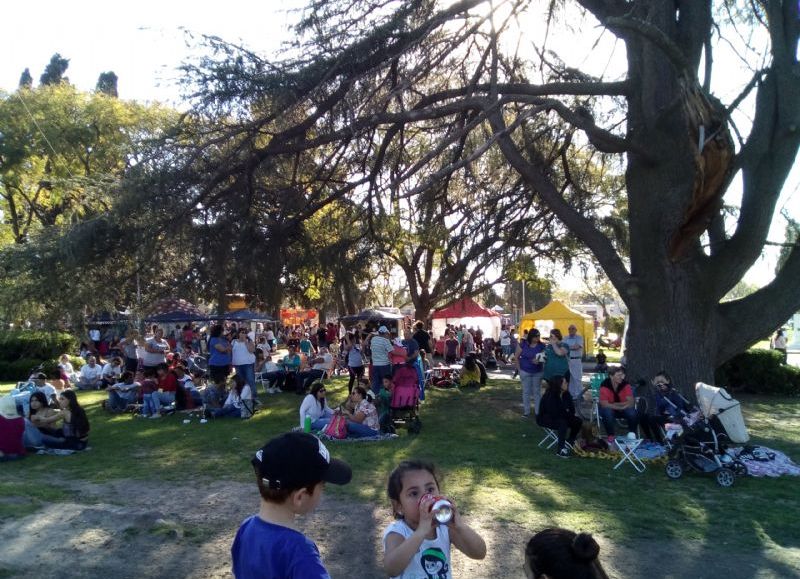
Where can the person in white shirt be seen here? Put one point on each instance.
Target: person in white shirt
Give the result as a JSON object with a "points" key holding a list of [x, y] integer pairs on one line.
{"points": [[123, 393], [90, 376], [67, 371], [273, 374], [315, 406], [112, 372], [574, 345], [155, 350], [320, 365]]}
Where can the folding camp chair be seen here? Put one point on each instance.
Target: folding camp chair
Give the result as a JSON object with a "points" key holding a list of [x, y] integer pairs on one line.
{"points": [[551, 438]]}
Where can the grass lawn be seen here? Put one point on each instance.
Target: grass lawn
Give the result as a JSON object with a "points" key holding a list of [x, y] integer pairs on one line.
{"points": [[489, 457]]}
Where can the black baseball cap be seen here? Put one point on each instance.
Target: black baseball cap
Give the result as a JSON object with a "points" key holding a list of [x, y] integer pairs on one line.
{"points": [[296, 459]]}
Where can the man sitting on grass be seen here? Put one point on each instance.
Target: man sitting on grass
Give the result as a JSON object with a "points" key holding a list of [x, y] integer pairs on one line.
{"points": [[90, 376], [123, 393]]}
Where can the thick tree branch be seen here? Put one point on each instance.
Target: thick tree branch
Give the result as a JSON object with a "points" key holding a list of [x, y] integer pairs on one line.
{"points": [[579, 225], [760, 312]]}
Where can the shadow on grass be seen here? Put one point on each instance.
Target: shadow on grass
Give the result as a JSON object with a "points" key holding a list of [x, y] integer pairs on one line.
{"points": [[500, 479]]}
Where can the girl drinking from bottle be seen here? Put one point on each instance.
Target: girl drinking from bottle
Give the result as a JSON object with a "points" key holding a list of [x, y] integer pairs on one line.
{"points": [[417, 545]]}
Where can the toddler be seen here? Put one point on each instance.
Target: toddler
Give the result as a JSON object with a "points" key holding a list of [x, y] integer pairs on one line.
{"points": [[417, 546]]}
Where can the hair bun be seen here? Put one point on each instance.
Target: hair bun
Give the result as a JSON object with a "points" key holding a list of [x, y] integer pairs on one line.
{"points": [[584, 547]]}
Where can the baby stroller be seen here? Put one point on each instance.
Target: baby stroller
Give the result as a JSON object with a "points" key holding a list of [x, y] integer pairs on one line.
{"points": [[703, 445], [404, 405]]}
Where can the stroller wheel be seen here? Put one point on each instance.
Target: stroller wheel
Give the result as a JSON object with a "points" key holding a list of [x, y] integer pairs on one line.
{"points": [[740, 468], [725, 477], [674, 469], [415, 426]]}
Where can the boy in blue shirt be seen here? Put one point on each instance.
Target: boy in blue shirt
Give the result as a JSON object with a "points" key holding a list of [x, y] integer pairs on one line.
{"points": [[291, 472]]}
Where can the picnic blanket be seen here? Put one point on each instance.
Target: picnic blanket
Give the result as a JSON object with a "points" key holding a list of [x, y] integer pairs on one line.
{"points": [[647, 451], [321, 436], [762, 461], [60, 451]]}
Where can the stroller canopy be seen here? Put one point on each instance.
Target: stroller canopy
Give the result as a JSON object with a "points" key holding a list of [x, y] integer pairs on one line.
{"points": [[716, 401]]}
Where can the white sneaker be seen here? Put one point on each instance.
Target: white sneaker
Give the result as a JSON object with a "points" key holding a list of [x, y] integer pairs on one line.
{"points": [[154, 416]]}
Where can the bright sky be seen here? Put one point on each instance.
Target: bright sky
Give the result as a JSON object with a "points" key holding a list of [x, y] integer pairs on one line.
{"points": [[143, 43]]}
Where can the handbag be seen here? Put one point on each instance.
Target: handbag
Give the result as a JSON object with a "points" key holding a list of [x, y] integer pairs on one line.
{"points": [[337, 427]]}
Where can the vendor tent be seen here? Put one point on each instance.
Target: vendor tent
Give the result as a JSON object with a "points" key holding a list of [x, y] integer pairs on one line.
{"points": [[370, 319], [466, 312], [243, 316], [174, 310], [557, 315]]}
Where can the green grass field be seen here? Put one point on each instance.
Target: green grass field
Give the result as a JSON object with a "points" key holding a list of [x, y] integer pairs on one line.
{"points": [[488, 454]]}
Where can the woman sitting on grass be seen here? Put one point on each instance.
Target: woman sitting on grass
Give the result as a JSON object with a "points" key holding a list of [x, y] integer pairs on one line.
{"points": [[470, 376], [315, 406], [363, 421], [239, 403], [74, 433], [43, 417]]}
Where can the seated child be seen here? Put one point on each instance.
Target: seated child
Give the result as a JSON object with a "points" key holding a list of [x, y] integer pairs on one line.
{"points": [[417, 544], [291, 472], [149, 386], [562, 554], [239, 403]]}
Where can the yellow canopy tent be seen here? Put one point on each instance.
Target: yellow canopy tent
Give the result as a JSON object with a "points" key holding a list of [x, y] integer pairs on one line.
{"points": [[557, 315]]}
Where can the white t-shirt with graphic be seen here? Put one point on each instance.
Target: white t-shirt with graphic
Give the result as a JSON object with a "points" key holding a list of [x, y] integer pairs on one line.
{"points": [[432, 561]]}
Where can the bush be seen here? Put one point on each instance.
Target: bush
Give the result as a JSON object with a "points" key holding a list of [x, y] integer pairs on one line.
{"points": [[18, 370], [760, 372], [35, 345]]}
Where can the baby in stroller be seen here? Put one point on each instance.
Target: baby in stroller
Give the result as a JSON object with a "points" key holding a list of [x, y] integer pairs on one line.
{"points": [[702, 446], [404, 402]]}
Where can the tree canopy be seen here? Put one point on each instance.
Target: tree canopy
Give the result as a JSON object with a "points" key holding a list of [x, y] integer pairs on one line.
{"points": [[367, 80]]}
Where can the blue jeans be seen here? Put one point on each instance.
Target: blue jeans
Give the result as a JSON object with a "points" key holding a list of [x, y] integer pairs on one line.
{"points": [[376, 376], [119, 401], [229, 410], [320, 423], [420, 377], [157, 400], [607, 415], [531, 387], [358, 430], [309, 376], [248, 372]]}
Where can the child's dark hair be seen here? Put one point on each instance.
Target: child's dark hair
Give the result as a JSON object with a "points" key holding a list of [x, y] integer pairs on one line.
{"points": [[395, 486], [42, 398], [279, 496], [555, 382], [563, 554], [79, 420]]}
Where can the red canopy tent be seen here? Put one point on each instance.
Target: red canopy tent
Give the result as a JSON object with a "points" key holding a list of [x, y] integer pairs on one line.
{"points": [[469, 313]]}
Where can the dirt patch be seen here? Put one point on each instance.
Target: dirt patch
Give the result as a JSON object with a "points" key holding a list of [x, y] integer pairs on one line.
{"points": [[134, 529]]}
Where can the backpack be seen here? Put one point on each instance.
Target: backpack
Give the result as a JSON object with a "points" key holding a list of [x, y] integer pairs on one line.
{"points": [[337, 427]]}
